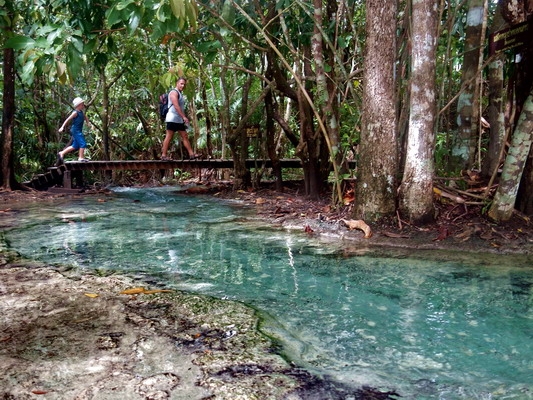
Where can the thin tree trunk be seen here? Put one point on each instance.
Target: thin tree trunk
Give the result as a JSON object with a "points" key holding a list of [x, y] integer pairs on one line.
{"points": [[378, 154], [503, 204], [496, 116], [8, 121], [105, 115], [416, 190]]}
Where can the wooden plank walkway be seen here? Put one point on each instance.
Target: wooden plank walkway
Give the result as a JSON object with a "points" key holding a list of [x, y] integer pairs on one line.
{"points": [[173, 164], [63, 174]]}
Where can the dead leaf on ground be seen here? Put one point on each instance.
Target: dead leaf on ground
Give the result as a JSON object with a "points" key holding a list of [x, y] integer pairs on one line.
{"points": [[91, 295], [136, 290], [141, 290]]}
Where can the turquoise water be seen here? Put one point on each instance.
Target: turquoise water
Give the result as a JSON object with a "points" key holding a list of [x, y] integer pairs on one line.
{"points": [[426, 329]]}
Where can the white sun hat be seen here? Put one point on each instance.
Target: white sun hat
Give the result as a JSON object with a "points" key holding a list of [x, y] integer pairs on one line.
{"points": [[77, 101]]}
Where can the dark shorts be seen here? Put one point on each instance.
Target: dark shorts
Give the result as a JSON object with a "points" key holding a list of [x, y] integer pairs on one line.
{"points": [[176, 126]]}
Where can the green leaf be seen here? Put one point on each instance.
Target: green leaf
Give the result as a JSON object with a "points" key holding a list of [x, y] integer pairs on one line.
{"points": [[78, 43], [27, 72], [161, 14], [135, 19], [61, 68], [19, 42], [228, 12], [114, 16], [209, 58], [177, 7], [124, 4], [74, 61]]}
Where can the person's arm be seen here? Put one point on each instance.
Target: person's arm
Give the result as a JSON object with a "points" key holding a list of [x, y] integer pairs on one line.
{"points": [[174, 99], [70, 117]]}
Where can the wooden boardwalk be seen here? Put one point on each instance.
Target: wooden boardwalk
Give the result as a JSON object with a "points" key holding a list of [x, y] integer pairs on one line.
{"points": [[63, 175], [173, 164]]}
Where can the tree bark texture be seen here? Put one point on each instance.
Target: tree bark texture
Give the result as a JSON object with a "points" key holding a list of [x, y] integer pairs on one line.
{"points": [[503, 204], [495, 111], [378, 153], [464, 147], [8, 121], [416, 190]]}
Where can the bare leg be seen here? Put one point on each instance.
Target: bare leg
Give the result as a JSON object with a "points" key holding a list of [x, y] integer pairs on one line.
{"points": [[166, 143], [81, 153], [66, 150], [186, 143]]}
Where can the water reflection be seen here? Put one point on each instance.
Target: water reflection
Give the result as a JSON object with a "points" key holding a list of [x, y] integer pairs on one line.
{"points": [[425, 328]]}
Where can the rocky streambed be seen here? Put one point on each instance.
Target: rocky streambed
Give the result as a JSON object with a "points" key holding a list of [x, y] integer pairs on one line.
{"points": [[70, 335]]}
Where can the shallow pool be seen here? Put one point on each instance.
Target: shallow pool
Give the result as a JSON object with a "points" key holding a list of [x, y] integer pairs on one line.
{"points": [[424, 328]]}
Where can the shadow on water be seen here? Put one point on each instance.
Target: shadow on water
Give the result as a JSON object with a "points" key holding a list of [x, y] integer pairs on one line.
{"points": [[424, 324]]}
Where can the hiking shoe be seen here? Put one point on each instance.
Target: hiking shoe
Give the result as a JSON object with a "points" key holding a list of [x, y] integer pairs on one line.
{"points": [[59, 160]]}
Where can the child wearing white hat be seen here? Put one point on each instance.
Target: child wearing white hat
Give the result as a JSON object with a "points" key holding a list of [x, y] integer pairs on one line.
{"points": [[78, 140]]}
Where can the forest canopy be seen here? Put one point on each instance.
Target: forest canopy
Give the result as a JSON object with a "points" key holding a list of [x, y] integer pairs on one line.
{"points": [[428, 98]]}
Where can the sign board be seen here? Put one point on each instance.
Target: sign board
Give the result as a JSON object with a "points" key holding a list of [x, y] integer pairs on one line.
{"points": [[516, 36], [252, 131]]}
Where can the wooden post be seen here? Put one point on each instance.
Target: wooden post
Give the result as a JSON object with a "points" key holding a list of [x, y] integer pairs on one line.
{"points": [[67, 179]]}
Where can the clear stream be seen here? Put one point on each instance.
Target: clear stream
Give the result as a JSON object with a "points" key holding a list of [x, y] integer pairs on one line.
{"points": [[426, 329]]}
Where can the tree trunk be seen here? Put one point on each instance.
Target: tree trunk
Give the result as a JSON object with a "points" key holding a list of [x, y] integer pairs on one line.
{"points": [[496, 116], [326, 96], [8, 121], [270, 132], [378, 154], [207, 116], [311, 144], [464, 147], [105, 115], [416, 190], [503, 204]]}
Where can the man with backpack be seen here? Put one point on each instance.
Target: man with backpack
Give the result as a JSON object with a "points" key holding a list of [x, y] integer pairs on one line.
{"points": [[176, 120]]}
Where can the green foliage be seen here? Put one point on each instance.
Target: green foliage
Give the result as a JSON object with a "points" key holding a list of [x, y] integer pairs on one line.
{"points": [[138, 48]]}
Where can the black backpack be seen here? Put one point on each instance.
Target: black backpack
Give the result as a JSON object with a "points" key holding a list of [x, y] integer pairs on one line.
{"points": [[163, 105]]}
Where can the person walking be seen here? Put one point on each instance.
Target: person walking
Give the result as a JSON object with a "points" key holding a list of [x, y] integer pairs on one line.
{"points": [[177, 121], [78, 118]]}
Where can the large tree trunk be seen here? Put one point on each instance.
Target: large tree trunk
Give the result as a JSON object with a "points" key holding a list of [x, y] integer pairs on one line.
{"points": [[416, 190], [378, 154], [464, 147], [505, 198]]}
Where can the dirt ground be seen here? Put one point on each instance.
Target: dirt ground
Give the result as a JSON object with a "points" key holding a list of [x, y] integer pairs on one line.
{"points": [[66, 335], [457, 227]]}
